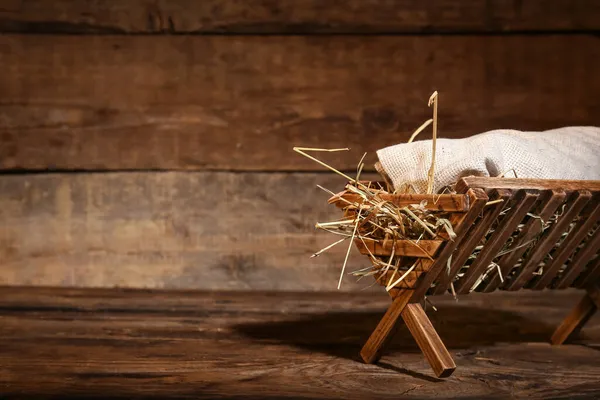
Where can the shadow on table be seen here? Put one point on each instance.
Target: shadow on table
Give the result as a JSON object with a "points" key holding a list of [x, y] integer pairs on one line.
{"points": [[342, 334]]}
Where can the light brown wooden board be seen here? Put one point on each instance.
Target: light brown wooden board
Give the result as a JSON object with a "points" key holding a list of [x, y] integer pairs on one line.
{"points": [[299, 16], [242, 102], [172, 230], [167, 344], [428, 340], [577, 318], [373, 349], [525, 183]]}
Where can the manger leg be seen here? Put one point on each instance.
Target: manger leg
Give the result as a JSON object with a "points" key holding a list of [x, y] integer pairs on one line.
{"points": [[372, 350], [428, 340], [578, 317]]}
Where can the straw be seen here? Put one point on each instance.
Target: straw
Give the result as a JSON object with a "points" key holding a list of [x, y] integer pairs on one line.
{"points": [[433, 99], [419, 130]]}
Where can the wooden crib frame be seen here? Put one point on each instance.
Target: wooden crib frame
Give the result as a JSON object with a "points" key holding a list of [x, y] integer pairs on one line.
{"points": [[473, 211]]}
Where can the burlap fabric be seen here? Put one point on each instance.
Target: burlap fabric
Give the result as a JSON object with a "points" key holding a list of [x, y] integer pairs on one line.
{"points": [[565, 153]]}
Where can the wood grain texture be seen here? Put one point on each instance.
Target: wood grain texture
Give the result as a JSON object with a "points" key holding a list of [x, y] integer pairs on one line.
{"points": [[522, 202], [473, 238], [477, 200], [407, 248], [577, 318], [525, 183], [385, 279], [546, 243], [375, 345], [568, 248], [171, 230], [428, 340], [549, 202], [442, 202], [580, 261], [299, 16], [242, 102], [183, 344]]}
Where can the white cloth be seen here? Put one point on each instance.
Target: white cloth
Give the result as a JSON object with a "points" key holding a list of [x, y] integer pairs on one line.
{"points": [[565, 153]]}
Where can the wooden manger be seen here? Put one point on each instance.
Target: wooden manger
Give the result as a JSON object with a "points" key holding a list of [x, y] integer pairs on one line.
{"points": [[511, 234]]}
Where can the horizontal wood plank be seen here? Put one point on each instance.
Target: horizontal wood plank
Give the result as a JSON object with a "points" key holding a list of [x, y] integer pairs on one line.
{"points": [[526, 183], [442, 202], [171, 230], [219, 345], [242, 103], [299, 16], [406, 248]]}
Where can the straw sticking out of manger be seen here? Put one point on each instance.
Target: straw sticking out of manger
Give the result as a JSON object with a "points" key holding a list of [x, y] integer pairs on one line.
{"points": [[369, 217]]}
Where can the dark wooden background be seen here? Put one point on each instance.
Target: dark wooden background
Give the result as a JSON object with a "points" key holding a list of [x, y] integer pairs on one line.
{"points": [[148, 143]]}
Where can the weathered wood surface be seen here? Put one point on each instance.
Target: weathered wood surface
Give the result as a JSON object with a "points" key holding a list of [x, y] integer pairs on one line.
{"points": [[427, 338], [407, 248], [152, 344], [242, 102], [375, 345], [525, 183], [300, 16], [578, 317], [174, 230], [548, 240], [549, 201], [462, 224], [437, 202], [521, 203], [476, 232]]}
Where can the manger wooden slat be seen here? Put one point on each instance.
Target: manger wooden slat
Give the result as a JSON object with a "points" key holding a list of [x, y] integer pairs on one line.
{"points": [[407, 283], [281, 16], [577, 318], [522, 203], [568, 247], [473, 239], [550, 200], [444, 202], [428, 340], [371, 351], [575, 204], [534, 184], [477, 200], [590, 276], [242, 102], [408, 248], [579, 261]]}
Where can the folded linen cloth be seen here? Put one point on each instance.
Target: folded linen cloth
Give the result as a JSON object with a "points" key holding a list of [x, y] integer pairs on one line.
{"points": [[564, 153]]}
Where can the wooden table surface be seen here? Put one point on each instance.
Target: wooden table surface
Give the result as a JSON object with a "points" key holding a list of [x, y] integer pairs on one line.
{"points": [[89, 343]]}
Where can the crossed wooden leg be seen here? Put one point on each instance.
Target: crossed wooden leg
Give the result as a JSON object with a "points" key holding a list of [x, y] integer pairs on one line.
{"points": [[579, 316], [421, 329]]}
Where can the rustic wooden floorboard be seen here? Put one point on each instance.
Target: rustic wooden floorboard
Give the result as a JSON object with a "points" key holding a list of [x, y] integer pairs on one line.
{"points": [[165, 344]]}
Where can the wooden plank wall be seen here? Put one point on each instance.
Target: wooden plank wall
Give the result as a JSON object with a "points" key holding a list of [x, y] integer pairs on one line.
{"points": [[148, 143]]}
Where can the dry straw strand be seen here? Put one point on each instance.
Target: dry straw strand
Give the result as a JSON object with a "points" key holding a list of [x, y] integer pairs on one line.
{"points": [[433, 99], [419, 130], [301, 150]]}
